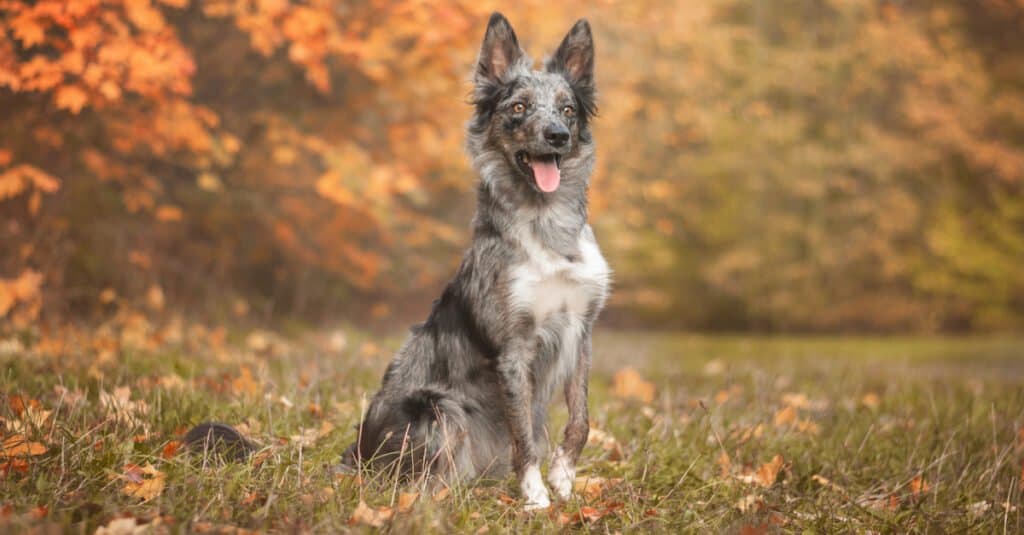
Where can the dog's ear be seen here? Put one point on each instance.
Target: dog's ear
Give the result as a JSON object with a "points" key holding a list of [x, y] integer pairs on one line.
{"points": [[499, 52], [575, 56]]}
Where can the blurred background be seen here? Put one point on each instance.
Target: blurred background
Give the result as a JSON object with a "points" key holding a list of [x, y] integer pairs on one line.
{"points": [[783, 166]]}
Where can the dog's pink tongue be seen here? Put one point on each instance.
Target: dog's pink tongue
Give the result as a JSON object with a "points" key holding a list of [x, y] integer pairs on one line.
{"points": [[547, 174]]}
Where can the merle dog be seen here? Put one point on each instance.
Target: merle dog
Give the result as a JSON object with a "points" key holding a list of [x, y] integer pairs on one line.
{"points": [[467, 394]]}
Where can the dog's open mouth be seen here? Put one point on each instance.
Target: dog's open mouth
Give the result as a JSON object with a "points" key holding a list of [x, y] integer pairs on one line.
{"points": [[544, 168]]}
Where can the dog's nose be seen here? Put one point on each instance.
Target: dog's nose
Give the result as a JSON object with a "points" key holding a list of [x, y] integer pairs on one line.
{"points": [[556, 134]]}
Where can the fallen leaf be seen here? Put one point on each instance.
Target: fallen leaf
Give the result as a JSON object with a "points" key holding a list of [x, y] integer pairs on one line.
{"points": [[627, 383], [171, 449], [807, 426], [19, 466], [919, 486], [766, 474], [607, 442], [19, 446], [594, 486], [825, 482], [406, 501], [369, 516], [244, 384], [144, 483], [584, 515], [441, 494], [785, 416]]}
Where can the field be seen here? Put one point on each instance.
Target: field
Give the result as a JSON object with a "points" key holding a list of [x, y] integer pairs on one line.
{"points": [[712, 434]]}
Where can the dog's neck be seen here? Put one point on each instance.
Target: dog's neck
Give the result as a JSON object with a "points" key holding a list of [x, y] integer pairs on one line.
{"points": [[508, 209]]}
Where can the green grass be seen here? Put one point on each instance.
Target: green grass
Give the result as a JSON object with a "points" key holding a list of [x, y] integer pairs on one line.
{"points": [[948, 413]]}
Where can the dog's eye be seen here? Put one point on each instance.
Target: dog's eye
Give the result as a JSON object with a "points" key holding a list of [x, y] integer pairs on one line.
{"points": [[568, 111], [518, 107]]}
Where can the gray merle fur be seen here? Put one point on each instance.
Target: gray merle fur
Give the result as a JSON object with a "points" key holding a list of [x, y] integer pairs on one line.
{"points": [[467, 394]]}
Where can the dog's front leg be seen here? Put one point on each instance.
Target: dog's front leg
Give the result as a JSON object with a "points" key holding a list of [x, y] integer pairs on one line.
{"points": [[562, 472], [514, 373]]}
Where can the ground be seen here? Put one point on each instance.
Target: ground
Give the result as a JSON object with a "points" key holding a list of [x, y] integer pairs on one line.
{"points": [[689, 434]]}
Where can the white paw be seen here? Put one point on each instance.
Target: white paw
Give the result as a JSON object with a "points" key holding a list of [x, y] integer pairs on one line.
{"points": [[561, 475], [534, 492]]}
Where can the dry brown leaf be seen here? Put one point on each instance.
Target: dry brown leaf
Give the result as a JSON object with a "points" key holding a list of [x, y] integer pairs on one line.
{"points": [[406, 501], [368, 516], [19, 466], [441, 494], [826, 482], [171, 449], [607, 442], [594, 486], [785, 416], [119, 406], [144, 483], [627, 383], [19, 446], [919, 486], [766, 474], [244, 384]]}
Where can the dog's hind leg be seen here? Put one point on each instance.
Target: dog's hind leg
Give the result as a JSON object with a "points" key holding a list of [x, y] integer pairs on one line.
{"points": [[416, 434]]}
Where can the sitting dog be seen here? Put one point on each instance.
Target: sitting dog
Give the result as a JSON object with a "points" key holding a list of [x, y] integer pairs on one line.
{"points": [[467, 394]]}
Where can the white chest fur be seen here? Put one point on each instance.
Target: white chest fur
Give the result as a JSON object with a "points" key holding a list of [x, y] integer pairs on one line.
{"points": [[547, 283]]}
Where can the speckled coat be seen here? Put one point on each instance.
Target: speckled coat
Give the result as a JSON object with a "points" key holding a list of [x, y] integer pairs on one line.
{"points": [[467, 394]]}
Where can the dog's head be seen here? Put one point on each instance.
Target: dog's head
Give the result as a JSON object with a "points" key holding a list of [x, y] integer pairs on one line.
{"points": [[533, 124]]}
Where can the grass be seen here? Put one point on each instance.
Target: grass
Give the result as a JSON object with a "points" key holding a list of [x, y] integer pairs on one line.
{"points": [[887, 435]]}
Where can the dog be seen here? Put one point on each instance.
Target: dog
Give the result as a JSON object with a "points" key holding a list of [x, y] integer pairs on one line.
{"points": [[467, 395]]}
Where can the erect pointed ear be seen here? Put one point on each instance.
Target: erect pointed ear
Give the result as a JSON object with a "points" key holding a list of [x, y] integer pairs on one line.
{"points": [[499, 52], [575, 56]]}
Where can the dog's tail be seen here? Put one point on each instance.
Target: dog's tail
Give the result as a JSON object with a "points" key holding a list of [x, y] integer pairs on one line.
{"points": [[422, 433], [220, 440]]}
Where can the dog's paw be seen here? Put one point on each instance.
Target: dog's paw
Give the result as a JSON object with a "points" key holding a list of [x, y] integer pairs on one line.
{"points": [[561, 475], [534, 491]]}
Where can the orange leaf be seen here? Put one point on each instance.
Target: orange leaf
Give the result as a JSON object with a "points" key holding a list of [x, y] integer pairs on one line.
{"points": [[919, 486], [766, 474], [19, 446], [785, 416], [144, 482], [369, 516], [171, 449], [71, 98], [406, 501], [14, 465], [628, 383], [593, 486], [244, 384]]}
